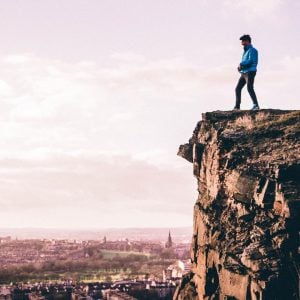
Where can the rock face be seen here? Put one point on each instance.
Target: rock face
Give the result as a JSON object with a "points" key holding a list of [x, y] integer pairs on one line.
{"points": [[247, 216]]}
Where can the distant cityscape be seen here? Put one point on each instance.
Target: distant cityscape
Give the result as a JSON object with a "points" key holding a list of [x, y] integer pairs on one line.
{"points": [[179, 234], [92, 269]]}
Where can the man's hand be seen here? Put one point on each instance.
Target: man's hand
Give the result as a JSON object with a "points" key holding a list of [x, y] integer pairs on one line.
{"points": [[239, 68]]}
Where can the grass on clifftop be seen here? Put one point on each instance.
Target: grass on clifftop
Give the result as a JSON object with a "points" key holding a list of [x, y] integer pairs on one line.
{"points": [[265, 120]]}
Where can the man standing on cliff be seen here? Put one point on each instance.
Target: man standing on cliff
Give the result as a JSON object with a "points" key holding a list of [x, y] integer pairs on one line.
{"points": [[247, 68]]}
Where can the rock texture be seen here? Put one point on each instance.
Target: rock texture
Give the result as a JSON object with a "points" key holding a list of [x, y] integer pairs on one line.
{"points": [[247, 216]]}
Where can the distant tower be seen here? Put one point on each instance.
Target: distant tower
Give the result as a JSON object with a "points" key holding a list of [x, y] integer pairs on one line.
{"points": [[169, 243]]}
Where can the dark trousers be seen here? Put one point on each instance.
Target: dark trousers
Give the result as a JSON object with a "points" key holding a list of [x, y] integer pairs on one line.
{"points": [[249, 79]]}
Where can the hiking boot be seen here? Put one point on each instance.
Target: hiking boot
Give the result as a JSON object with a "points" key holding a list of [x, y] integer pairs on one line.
{"points": [[255, 107]]}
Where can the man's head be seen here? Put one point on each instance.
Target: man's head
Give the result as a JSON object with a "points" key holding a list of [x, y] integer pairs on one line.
{"points": [[245, 39]]}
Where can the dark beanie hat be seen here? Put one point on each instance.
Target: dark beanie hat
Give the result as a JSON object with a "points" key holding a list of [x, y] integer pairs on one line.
{"points": [[245, 37]]}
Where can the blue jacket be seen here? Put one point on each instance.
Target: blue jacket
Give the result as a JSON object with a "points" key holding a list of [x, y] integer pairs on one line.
{"points": [[249, 59]]}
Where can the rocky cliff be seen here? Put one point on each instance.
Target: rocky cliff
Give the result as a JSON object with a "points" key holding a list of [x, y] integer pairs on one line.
{"points": [[247, 215]]}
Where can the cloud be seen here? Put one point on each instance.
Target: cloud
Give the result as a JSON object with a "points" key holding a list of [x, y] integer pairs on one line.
{"points": [[279, 81], [128, 105], [47, 104], [252, 8], [103, 186], [89, 141]]}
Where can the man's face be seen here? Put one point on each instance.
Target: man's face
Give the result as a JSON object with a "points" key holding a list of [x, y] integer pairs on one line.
{"points": [[245, 43]]}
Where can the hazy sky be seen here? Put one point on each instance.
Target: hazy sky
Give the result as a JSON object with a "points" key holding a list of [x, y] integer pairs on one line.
{"points": [[97, 95]]}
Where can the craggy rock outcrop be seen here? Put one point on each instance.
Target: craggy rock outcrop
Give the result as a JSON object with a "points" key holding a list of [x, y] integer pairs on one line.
{"points": [[247, 216]]}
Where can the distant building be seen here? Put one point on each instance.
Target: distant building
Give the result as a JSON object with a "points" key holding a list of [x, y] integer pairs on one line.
{"points": [[177, 270], [169, 243], [5, 239]]}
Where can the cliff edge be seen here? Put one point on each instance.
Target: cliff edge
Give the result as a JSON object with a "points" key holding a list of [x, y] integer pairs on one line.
{"points": [[247, 215]]}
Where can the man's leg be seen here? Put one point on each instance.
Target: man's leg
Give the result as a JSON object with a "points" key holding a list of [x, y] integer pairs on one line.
{"points": [[238, 91], [250, 88]]}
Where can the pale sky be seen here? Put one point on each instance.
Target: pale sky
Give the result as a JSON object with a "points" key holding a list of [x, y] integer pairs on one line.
{"points": [[97, 95]]}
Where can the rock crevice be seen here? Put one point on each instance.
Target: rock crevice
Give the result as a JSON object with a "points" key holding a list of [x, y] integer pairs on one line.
{"points": [[247, 215]]}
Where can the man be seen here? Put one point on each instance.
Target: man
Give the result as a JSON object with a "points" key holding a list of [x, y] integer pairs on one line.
{"points": [[247, 68]]}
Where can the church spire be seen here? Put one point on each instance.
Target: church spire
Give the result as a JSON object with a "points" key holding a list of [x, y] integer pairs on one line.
{"points": [[169, 243]]}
